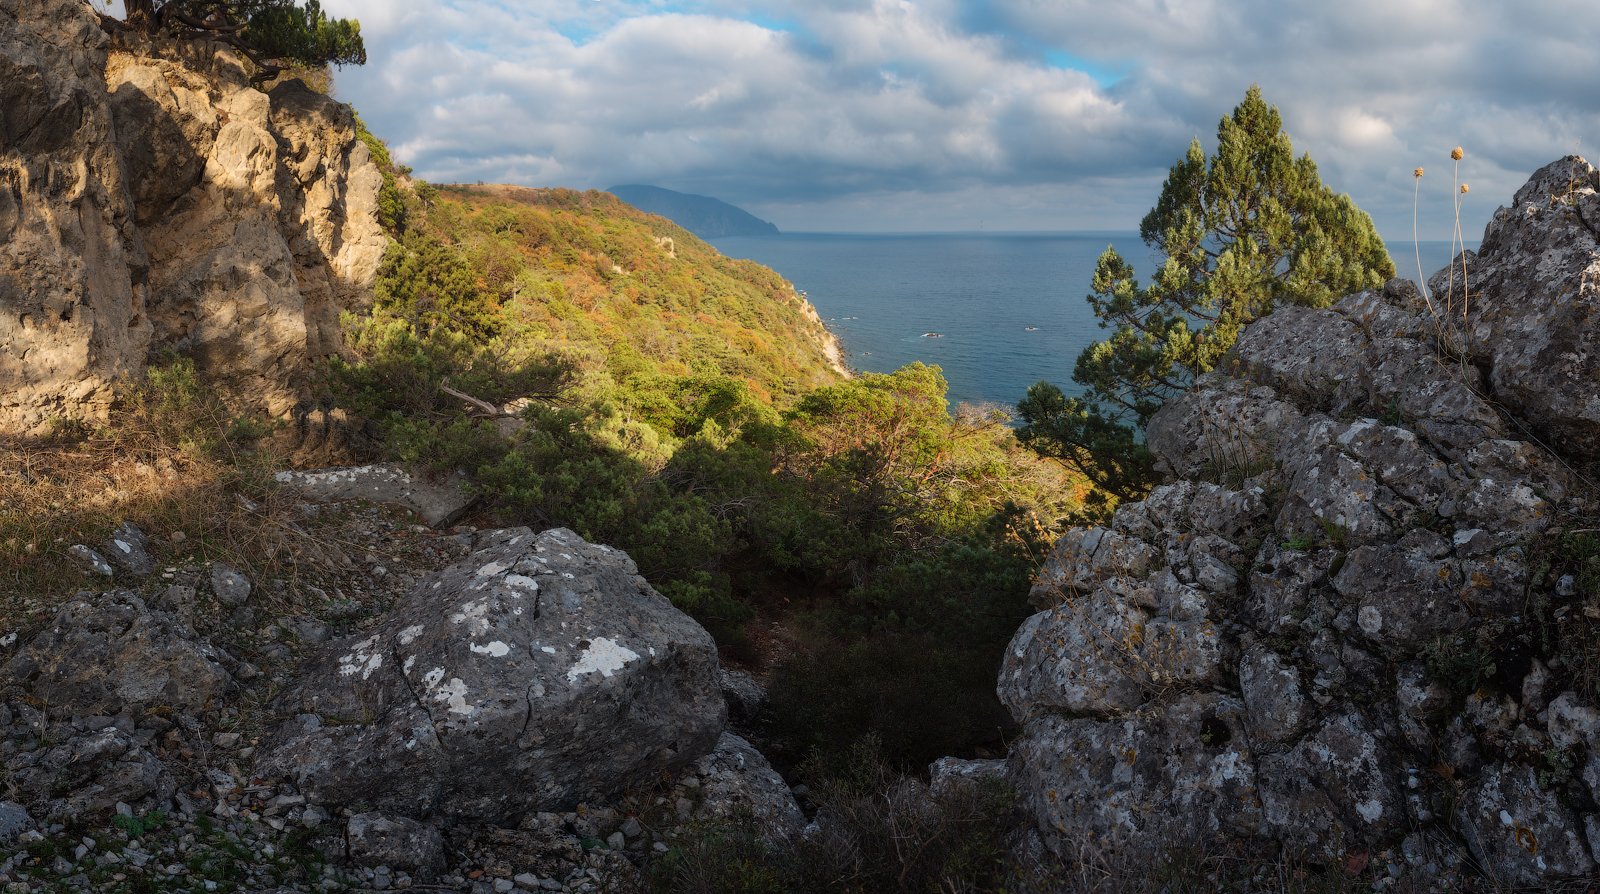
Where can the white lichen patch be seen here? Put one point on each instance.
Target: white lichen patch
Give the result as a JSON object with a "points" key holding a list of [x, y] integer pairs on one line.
{"points": [[454, 694], [1370, 620], [603, 656], [522, 582], [493, 568], [364, 660], [410, 660], [548, 650], [409, 634], [1370, 810], [496, 649], [433, 678], [123, 546], [474, 615]]}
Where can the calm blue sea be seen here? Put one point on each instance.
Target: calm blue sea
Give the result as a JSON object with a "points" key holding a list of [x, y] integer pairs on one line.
{"points": [[1008, 309]]}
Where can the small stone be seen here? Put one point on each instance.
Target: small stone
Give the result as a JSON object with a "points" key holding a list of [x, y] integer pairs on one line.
{"points": [[91, 561], [631, 827], [659, 847], [313, 817], [225, 740], [503, 886], [230, 587], [615, 841], [526, 880], [127, 549]]}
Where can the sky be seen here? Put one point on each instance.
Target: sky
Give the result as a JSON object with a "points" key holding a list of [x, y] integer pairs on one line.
{"points": [[935, 115]]}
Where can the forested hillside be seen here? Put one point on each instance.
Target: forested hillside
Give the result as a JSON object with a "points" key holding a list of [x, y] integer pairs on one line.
{"points": [[594, 367]]}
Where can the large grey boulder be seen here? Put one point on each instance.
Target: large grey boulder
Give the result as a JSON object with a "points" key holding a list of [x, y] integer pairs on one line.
{"points": [[539, 672], [109, 653]]}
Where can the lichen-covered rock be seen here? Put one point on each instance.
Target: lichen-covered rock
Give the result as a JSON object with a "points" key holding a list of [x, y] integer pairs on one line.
{"points": [[1166, 773], [1574, 728], [375, 839], [1522, 830], [1335, 791], [90, 773], [539, 672], [948, 775], [1530, 296], [438, 503], [1358, 543], [735, 781], [744, 694], [128, 550], [108, 653], [14, 820], [151, 198], [229, 586], [1274, 701]]}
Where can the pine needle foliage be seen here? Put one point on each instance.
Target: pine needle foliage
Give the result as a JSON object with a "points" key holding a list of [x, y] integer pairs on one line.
{"points": [[1240, 232]]}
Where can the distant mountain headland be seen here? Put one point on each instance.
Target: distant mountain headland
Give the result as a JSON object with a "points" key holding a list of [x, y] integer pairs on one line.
{"points": [[704, 216]]}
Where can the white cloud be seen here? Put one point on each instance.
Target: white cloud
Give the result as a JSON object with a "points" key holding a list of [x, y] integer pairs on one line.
{"points": [[891, 114]]}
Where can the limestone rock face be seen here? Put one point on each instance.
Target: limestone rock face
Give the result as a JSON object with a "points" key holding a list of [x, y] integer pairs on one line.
{"points": [[1357, 540], [151, 199], [72, 264], [537, 673]]}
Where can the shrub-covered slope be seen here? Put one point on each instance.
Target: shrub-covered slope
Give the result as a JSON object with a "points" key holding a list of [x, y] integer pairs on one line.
{"points": [[636, 293]]}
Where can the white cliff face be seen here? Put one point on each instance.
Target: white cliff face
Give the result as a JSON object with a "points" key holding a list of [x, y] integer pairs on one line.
{"points": [[150, 198]]}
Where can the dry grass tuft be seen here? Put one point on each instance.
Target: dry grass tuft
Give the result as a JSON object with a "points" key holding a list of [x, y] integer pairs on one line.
{"points": [[174, 461]]}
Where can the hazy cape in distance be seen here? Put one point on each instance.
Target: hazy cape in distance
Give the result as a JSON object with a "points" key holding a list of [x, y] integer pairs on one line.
{"points": [[703, 216]]}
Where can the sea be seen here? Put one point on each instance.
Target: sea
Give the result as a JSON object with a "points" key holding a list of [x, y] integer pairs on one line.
{"points": [[996, 311]]}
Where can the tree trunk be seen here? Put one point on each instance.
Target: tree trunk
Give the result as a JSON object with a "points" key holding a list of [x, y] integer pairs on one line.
{"points": [[142, 15]]}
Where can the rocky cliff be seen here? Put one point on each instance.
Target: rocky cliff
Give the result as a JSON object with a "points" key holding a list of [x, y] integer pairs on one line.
{"points": [[151, 199], [1360, 624]]}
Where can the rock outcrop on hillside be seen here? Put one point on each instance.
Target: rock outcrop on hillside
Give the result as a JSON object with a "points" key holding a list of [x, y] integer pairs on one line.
{"points": [[152, 199], [1360, 623]]}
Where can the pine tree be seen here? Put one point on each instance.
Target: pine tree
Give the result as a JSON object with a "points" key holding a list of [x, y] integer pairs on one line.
{"points": [[272, 33], [1241, 232]]}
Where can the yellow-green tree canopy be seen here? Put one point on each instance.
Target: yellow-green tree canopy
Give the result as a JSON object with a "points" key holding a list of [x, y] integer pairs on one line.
{"points": [[1241, 232]]}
